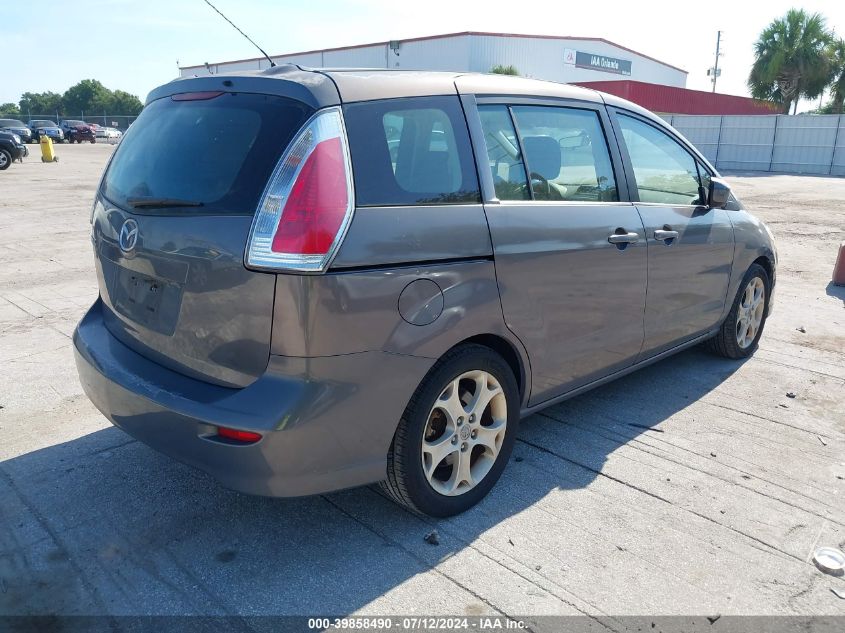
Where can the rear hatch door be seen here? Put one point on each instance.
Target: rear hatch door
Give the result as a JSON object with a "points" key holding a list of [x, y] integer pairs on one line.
{"points": [[170, 225]]}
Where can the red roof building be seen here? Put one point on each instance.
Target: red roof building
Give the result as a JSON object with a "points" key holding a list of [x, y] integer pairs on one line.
{"points": [[672, 100]]}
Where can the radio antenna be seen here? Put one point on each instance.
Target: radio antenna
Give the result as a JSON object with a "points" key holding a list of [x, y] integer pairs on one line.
{"points": [[272, 63]]}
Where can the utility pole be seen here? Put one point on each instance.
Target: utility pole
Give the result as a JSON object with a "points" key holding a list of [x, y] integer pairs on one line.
{"points": [[716, 71]]}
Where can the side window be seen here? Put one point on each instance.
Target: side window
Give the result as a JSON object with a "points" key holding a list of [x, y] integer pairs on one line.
{"points": [[411, 151], [503, 155], [566, 154], [666, 173]]}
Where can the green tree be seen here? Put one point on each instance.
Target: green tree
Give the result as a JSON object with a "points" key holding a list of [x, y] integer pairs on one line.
{"points": [[9, 110], [791, 59], [89, 95], [500, 69], [124, 103], [836, 56], [40, 103]]}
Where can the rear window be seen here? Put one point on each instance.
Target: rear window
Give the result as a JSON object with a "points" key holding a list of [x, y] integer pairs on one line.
{"points": [[218, 152], [411, 152]]}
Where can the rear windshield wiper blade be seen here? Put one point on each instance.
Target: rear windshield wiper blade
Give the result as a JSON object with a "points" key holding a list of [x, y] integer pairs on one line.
{"points": [[155, 203]]}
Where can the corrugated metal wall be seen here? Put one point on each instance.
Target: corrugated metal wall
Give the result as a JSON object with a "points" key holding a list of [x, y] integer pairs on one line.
{"points": [[360, 57], [804, 144], [542, 58], [538, 57]]}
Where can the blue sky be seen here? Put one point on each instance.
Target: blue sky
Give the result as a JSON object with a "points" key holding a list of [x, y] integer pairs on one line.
{"points": [[134, 45]]}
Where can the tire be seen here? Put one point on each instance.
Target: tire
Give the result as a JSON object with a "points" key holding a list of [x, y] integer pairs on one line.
{"points": [[5, 159], [443, 491], [733, 339]]}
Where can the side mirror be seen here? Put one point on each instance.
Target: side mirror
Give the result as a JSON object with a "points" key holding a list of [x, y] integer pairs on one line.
{"points": [[719, 194]]}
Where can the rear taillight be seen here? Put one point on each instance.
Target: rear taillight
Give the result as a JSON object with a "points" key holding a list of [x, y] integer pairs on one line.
{"points": [[306, 207]]}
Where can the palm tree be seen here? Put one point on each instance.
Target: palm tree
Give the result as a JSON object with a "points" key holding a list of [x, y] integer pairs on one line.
{"points": [[836, 55], [791, 59]]}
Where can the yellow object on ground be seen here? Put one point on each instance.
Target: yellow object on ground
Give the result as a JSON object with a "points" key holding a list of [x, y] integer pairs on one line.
{"points": [[47, 155]]}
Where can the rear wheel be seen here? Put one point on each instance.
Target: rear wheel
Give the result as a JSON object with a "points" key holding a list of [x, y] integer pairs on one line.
{"points": [[741, 331], [456, 434], [5, 159]]}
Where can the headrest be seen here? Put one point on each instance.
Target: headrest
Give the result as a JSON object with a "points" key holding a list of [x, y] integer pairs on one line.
{"points": [[543, 155]]}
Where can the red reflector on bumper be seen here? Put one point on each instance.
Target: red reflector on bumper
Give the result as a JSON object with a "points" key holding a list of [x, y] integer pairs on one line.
{"points": [[247, 437]]}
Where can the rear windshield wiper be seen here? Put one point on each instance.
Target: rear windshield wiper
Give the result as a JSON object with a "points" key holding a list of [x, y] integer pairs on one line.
{"points": [[155, 203]]}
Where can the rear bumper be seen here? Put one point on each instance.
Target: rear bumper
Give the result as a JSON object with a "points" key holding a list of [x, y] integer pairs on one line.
{"points": [[327, 422]]}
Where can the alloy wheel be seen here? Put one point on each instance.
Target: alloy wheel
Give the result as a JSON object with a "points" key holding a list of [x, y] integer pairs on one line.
{"points": [[750, 313], [464, 433]]}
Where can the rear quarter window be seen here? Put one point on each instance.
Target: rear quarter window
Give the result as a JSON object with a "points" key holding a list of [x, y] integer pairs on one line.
{"points": [[412, 151]]}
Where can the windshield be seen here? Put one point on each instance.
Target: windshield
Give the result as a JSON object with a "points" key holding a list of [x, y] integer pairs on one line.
{"points": [[11, 123], [227, 149], [74, 123], [41, 123]]}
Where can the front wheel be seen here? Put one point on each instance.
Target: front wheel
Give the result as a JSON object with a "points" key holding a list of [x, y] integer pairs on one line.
{"points": [[456, 434], [5, 159], [740, 333]]}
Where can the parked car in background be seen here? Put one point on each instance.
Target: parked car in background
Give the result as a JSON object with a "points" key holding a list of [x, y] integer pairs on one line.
{"points": [[11, 149], [386, 270], [108, 133], [17, 127], [46, 127], [77, 131]]}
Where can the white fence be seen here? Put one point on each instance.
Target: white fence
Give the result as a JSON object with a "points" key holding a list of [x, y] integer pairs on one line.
{"points": [[803, 144]]}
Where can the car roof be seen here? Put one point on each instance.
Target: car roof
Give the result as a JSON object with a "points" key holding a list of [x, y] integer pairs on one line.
{"points": [[330, 86], [365, 84], [322, 87]]}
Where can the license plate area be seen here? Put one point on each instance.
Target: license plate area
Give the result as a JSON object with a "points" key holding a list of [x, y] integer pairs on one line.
{"points": [[149, 301]]}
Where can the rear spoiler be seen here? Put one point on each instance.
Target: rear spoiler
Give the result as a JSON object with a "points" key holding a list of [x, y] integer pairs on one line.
{"points": [[312, 88]]}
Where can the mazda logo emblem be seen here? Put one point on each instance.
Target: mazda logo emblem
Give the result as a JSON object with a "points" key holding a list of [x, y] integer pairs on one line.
{"points": [[128, 235]]}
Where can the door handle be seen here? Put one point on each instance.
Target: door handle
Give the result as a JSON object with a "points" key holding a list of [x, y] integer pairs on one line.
{"points": [[623, 238], [665, 236]]}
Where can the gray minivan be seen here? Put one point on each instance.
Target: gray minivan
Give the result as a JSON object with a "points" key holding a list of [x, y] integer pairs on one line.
{"points": [[318, 279]]}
